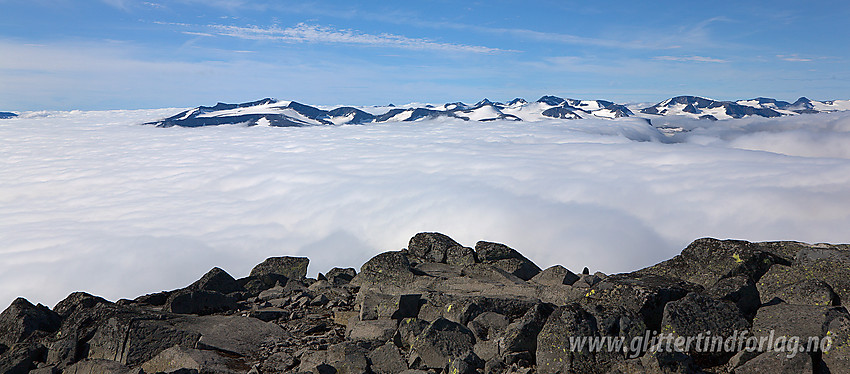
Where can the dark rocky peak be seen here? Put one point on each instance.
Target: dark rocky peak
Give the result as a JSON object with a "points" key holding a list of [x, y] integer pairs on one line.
{"points": [[482, 103], [390, 114], [517, 101], [561, 112], [358, 116], [456, 106], [551, 100], [307, 111], [767, 100], [7, 115]]}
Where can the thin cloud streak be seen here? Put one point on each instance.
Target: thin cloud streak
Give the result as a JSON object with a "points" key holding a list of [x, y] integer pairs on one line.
{"points": [[304, 33], [690, 59]]}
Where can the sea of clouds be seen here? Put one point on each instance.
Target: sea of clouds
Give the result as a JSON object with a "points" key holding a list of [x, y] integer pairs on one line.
{"points": [[93, 201]]}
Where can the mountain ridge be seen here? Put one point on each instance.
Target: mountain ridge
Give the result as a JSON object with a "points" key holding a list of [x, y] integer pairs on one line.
{"points": [[283, 113]]}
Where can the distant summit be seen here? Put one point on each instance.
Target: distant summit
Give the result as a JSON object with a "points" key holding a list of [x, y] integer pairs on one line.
{"points": [[7, 115], [700, 107], [276, 113]]}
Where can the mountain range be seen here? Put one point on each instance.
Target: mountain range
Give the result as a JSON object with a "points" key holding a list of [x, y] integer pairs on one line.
{"points": [[279, 113]]}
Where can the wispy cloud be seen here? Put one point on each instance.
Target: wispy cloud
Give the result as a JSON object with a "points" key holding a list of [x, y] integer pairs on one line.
{"points": [[304, 33], [690, 59], [793, 58], [197, 33]]}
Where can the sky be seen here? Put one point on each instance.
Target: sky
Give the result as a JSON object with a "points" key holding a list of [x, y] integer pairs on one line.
{"points": [[131, 54]]}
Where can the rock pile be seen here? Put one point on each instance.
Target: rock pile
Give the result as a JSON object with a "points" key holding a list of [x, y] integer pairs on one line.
{"points": [[441, 307]]}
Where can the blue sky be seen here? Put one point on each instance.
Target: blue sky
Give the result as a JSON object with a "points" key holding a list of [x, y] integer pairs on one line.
{"points": [[127, 54]]}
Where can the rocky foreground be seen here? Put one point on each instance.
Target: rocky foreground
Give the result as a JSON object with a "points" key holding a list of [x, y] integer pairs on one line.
{"points": [[440, 307]]}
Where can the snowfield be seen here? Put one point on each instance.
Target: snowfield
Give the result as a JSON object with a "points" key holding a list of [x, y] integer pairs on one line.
{"points": [[93, 201]]}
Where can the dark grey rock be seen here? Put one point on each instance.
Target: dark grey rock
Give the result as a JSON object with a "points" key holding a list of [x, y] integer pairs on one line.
{"points": [[700, 315], [376, 305], [388, 268], [217, 280], [555, 275], [706, 261], [430, 246], [387, 359], [21, 320], [793, 285], [199, 302], [460, 256], [279, 362], [521, 335], [408, 330], [379, 330], [486, 325], [340, 276], [777, 362], [507, 259], [20, 359], [99, 367], [289, 267], [740, 290], [342, 358], [202, 361], [441, 341], [803, 321], [554, 352]]}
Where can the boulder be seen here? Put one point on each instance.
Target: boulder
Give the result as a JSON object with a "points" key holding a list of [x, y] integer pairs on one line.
{"points": [[430, 246], [519, 338], [408, 330], [342, 358], [740, 290], [555, 275], [634, 298], [236, 335], [380, 330], [278, 362], [386, 269], [487, 325], [440, 342], [20, 359], [698, 315], [99, 367], [21, 320], [777, 362], [199, 302], [795, 285], [217, 280], [387, 359], [506, 258], [289, 267], [340, 276], [706, 261], [254, 285], [177, 358], [836, 357], [460, 256], [376, 305], [555, 352], [802, 321]]}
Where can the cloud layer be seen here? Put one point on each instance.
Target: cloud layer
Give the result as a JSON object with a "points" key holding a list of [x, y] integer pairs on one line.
{"points": [[91, 201]]}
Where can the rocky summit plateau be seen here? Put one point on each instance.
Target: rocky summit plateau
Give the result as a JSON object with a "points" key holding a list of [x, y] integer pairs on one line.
{"points": [[278, 113], [440, 307]]}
